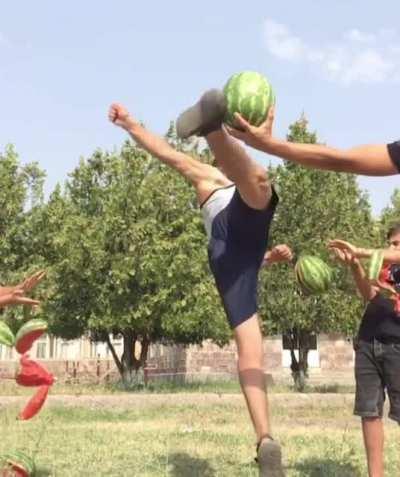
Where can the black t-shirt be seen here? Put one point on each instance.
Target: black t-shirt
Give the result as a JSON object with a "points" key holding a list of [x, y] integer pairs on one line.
{"points": [[394, 153], [380, 321]]}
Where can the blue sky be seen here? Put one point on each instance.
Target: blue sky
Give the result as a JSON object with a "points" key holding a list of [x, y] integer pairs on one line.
{"points": [[63, 63]]}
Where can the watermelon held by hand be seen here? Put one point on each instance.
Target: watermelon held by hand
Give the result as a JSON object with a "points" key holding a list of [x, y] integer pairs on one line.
{"points": [[7, 337], [313, 275], [28, 334], [250, 94], [375, 264]]}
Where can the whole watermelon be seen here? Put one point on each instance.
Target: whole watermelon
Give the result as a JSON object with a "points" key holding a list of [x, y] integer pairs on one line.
{"points": [[313, 275], [250, 94]]}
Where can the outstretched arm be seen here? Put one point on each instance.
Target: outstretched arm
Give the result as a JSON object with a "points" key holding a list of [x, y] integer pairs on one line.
{"points": [[188, 167], [389, 255], [364, 286], [371, 160]]}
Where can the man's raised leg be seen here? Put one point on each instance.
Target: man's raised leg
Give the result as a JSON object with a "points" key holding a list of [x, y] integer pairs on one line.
{"points": [[250, 178]]}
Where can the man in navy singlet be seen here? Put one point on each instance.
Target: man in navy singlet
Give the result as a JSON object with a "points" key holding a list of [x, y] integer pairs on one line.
{"points": [[238, 204]]}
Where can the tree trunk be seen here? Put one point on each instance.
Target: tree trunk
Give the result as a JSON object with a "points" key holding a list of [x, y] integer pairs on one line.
{"points": [[299, 367], [129, 365]]}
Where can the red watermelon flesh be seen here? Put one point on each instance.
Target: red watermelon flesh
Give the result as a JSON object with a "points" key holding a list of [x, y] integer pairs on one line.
{"points": [[35, 404], [25, 343], [13, 469], [32, 373]]}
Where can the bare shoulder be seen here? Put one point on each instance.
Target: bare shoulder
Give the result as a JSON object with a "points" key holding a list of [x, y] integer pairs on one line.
{"points": [[214, 179]]}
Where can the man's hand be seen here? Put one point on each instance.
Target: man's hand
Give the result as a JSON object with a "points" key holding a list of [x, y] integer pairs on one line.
{"points": [[258, 137], [120, 116], [280, 253], [31, 282], [345, 247], [15, 296], [344, 256]]}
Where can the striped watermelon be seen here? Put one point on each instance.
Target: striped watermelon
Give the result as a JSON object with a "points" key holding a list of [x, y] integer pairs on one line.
{"points": [[28, 333], [375, 264], [313, 275], [17, 464], [250, 94], [7, 337]]}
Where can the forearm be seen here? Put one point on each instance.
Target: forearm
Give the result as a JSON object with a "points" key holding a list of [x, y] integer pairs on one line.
{"points": [[309, 155], [389, 256], [367, 160], [363, 285]]}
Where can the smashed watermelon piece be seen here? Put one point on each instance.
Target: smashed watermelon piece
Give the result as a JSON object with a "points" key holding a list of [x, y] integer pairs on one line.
{"points": [[31, 373], [28, 334], [35, 404], [17, 464]]}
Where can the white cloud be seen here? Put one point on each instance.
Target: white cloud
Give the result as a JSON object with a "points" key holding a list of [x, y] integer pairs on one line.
{"points": [[358, 36], [358, 57], [4, 41]]}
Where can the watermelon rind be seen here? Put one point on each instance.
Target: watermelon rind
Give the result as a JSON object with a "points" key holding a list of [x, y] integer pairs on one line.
{"points": [[7, 337]]}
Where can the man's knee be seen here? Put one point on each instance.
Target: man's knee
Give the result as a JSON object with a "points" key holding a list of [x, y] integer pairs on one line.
{"points": [[250, 357]]}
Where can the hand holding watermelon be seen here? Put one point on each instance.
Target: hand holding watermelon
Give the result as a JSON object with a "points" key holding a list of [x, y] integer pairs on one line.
{"points": [[253, 136]]}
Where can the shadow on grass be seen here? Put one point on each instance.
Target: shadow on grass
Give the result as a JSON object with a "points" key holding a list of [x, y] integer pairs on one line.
{"points": [[326, 468], [183, 465], [43, 472]]}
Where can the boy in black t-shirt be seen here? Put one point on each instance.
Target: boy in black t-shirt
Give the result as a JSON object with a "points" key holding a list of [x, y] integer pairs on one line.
{"points": [[377, 347]]}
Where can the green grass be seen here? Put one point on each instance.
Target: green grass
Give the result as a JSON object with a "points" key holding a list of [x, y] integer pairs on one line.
{"points": [[203, 438], [9, 388]]}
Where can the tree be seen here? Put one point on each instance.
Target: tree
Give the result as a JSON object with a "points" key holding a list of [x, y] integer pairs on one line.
{"points": [[21, 201], [129, 258], [390, 216], [314, 206]]}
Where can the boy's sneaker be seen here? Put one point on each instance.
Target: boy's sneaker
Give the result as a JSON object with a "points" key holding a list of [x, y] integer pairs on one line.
{"points": [[203, 117], [269, 458]]}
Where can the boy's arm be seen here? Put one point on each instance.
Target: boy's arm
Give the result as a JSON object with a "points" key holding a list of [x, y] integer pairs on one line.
{"points": [[389, 255], [367, 291], [371, 160]]}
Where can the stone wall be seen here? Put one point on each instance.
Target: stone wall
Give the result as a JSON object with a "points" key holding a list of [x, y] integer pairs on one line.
{"points": [[336, 361]]}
